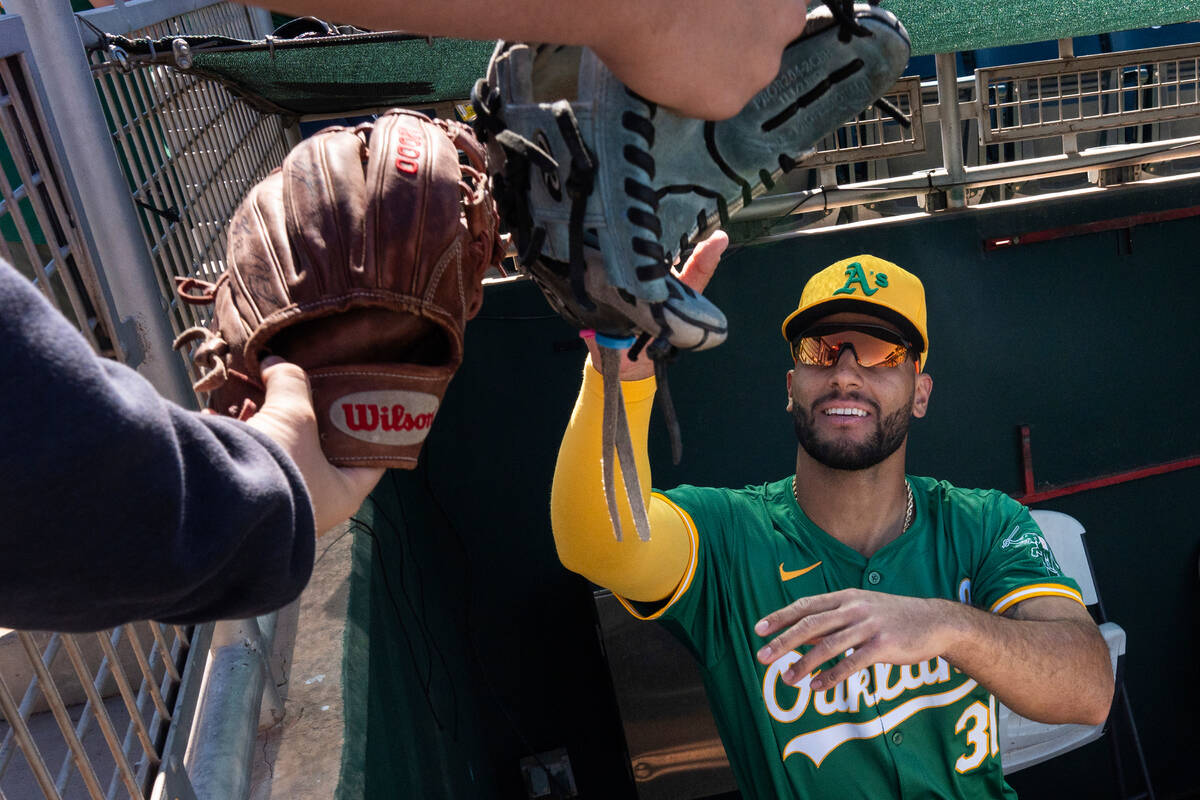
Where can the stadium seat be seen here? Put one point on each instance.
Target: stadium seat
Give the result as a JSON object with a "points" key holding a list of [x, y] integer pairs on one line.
{"points": [[1024, 742]]}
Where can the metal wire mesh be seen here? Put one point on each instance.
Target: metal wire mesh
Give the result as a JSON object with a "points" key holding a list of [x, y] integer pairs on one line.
{"points": [[39, 234], [190, 151], [92, 712], [86, 716]]}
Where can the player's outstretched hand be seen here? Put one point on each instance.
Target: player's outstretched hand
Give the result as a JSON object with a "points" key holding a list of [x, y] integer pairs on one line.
{"points": [[879, 627], [287, 416], [732, 51], [696, 274]]}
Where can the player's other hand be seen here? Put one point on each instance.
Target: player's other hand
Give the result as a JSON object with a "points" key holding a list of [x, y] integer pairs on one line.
{"points": [[704, 58], [696, 274], [878, 627], [287, 416]]}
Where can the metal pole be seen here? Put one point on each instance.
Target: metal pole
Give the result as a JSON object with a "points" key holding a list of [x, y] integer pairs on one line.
{"points": [[221, 748], [260, 21], [172, 780], [109, 217], [950, 123], [1066, 50]]}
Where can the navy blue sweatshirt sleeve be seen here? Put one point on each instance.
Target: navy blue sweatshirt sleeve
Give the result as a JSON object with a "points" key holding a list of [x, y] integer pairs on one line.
{"points": [[117, 505]]}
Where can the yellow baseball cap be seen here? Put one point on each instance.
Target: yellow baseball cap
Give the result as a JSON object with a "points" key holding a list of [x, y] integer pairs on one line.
{"points": [[867, 285]]}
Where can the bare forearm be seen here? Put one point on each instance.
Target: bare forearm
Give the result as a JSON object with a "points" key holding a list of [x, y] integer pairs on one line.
{"points": [[1047, 661], [1049, 670], [641, 41]]}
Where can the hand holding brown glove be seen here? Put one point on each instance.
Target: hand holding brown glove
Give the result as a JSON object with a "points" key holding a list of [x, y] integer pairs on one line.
{"points": [[287, 416]]}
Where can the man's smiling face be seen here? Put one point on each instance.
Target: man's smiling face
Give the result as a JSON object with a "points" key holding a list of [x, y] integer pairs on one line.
{"points": [[852, 417]]}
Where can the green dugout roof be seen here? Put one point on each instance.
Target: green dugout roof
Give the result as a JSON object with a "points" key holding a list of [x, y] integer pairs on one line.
{"points": [[345, 73]]}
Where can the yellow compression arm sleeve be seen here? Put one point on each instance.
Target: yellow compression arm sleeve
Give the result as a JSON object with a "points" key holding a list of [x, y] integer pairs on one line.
{"points": [[637, 570]]}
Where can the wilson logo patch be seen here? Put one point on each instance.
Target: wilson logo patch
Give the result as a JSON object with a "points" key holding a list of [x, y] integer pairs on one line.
{"points": [[385, 417]]}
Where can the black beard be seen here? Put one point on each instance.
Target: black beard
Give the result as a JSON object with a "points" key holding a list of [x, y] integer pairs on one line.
{"points": [[889, 434]]}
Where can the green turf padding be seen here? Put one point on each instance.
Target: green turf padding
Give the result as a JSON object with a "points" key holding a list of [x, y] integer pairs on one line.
{"points": [[948, 26], [356, 650], [414, 723], [353, 74]]}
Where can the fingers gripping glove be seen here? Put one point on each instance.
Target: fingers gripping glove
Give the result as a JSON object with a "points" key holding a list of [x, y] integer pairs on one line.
{"points": [[360, 259]]}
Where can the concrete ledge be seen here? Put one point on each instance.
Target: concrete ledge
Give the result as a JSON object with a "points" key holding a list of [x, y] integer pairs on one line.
{"points": [[301, 757]]}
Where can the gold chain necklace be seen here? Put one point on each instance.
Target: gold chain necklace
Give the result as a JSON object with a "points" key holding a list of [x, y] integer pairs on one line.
{"points": [[908, 511]]}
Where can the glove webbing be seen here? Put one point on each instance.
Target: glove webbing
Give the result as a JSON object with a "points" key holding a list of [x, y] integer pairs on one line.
{"points": [[615, 435], [511, 186]]}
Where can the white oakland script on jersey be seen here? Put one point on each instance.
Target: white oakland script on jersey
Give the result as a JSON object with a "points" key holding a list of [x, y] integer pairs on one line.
{"points": [[854, 693]]}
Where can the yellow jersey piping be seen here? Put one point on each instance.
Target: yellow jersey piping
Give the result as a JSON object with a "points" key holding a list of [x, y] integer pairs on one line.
{"points": [[1036, 590]]}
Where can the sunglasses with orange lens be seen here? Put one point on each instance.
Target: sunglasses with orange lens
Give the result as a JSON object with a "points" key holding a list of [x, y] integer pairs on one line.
{"points": [[872, 345]]}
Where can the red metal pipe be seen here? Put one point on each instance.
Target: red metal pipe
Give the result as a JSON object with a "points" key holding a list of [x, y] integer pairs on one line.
{"points": [[1030, 498], [1027, 458], [1125, 223]]}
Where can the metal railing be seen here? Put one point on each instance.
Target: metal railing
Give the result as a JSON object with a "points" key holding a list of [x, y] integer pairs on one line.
{"points": [[1090, 93], [40, 234], [874, 135], [1071, 123], [189, 150]]}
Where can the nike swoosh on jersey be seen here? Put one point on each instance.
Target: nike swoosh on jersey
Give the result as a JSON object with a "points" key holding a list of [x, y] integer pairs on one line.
{"points": [[788, 574]]}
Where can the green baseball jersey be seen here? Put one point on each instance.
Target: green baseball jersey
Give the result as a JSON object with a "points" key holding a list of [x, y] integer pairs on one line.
{"points": [[913, 731]]}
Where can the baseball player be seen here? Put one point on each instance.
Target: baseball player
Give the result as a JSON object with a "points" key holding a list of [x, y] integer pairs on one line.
{"points": [[856, 626]]}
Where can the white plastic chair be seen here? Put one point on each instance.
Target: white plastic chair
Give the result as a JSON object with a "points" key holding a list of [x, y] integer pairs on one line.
{"points": [[1024, 742]]}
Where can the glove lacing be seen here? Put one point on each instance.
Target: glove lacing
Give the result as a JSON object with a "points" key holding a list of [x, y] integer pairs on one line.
{"points": [[211, 356]]}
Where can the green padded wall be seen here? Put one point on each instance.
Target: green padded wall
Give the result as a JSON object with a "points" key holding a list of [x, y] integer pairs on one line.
{"points": [[1087, 339]]}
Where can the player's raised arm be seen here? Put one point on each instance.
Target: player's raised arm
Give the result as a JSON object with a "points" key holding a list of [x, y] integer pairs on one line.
{"points": [[583, 533]]}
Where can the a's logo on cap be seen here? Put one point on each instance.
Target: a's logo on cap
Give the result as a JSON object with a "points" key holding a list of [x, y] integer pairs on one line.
{"points": [[856, 274], [385, 417]]}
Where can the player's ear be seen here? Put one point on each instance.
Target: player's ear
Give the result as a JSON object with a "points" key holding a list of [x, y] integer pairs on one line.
{"points": [[922, 388], [790, 372]]}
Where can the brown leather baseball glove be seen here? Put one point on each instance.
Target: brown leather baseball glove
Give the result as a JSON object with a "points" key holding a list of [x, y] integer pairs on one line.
{"points": [[360, 260]]}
